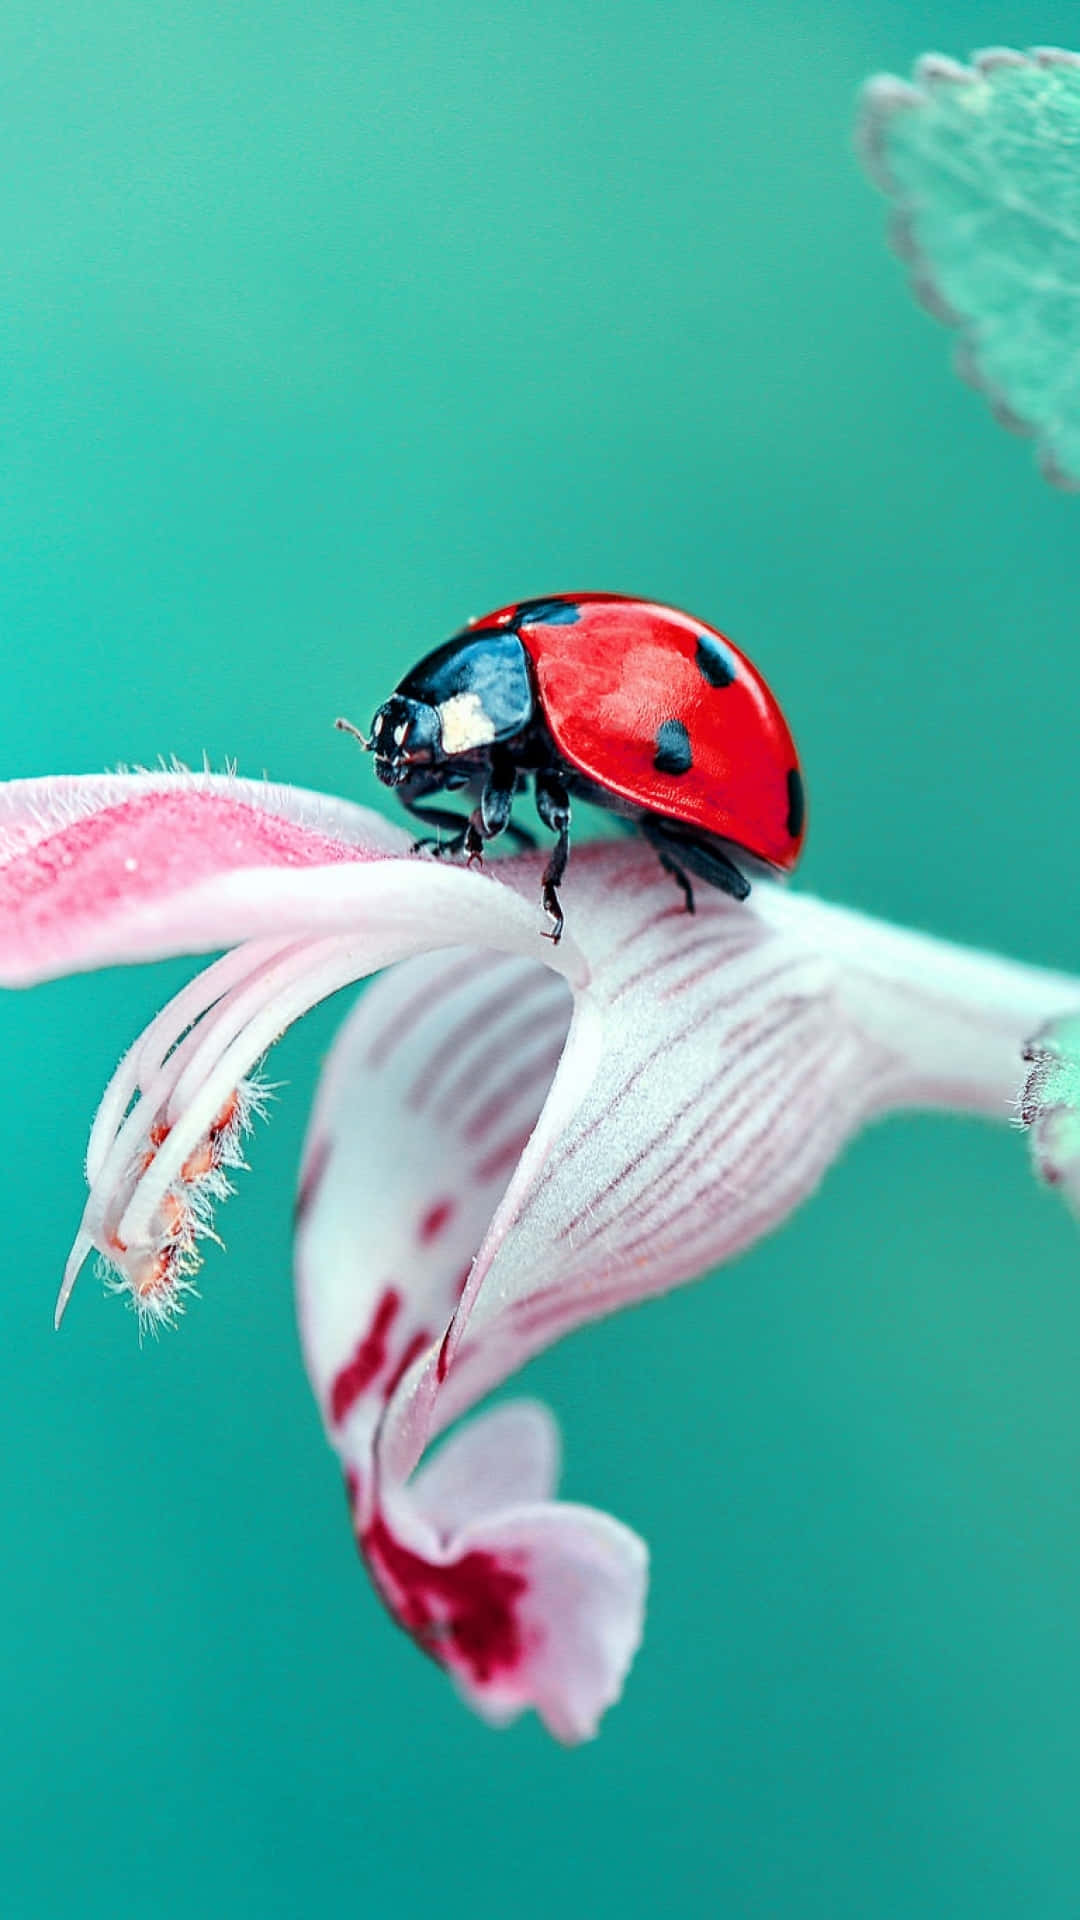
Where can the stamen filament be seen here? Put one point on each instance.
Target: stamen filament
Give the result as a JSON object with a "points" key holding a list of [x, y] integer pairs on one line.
{"points": [[155, 1043], [339, 966]]}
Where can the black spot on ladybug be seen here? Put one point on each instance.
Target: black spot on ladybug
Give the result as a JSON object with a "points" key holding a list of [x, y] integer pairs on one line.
{"points": [[796, 803], [714, 663], [549, 613], [673, 753]]}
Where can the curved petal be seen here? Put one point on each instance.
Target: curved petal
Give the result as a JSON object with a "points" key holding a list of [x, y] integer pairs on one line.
{"points": [[436, 1083], [738, 1055], [441, 1075], [980, 162], [319, 894], [100, 871], [712, 1070]]}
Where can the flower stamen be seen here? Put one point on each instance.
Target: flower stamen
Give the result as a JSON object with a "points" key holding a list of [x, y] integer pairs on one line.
{"points": [[157, 1271], [172, 1119]]}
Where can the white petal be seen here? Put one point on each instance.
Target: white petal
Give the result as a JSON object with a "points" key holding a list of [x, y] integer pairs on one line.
{"points": [[713, 1069]]}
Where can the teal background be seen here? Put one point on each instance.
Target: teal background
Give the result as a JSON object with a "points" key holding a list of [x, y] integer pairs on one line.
{"points": [[324, 326]]}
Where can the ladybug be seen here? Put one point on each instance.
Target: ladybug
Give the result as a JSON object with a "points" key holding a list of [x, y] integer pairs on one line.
{"points": [[633, 706]]}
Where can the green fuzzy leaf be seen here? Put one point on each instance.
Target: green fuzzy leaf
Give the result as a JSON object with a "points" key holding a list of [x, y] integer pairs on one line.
{"points": [[983, 164]]}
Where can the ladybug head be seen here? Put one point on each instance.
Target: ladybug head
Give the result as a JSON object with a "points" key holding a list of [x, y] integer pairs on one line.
{"points": [[405, 734]]}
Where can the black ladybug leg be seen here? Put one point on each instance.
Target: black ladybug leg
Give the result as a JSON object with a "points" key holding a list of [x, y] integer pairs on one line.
{"points": [[664, 847], [442, 820], [680, 877], [553, 806], [492, 816], [703, 858]]}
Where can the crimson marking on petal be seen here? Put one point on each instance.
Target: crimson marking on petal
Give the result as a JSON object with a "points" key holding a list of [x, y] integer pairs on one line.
{"points": [[800, 1176], [759, 1037], [723, 952], [633, 880], [547, 1309], [504, 1158], [508, 1097], [463, 1614], [724, 937], [684, 1168], [412, 1352], [729, 1121], [413, 1010], [315, 1166], [511, 1040], [443, 1361], [368, 1360], [434, 1220], [711, 1013], [685, 982], [725, 955], [754, 1159], [477, 1024], [542, 1312]]}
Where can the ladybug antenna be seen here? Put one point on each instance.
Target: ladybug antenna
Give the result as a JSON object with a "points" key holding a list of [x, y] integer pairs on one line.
{"points": [[346, 726]]}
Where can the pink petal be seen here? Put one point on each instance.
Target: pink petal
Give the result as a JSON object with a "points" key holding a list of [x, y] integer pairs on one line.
{"points": [[446, 1066], [409, 1111], [713, 1069], [319, 894], [710, 1071], [537, 1603], [503, 1459], [99, 871], [739, 1054]]}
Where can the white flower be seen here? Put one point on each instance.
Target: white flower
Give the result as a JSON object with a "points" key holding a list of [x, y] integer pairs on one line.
{"points": [[511, 1138]]}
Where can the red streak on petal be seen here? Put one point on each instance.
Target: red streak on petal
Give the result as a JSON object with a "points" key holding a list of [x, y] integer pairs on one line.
{"points": [[368, 1359], [444, 1355], [311, 1178], [405, 1020], [504, 1158], [435, 1220], [463, 1614], [477, 1025], [539, 1074], [412, 1352]]}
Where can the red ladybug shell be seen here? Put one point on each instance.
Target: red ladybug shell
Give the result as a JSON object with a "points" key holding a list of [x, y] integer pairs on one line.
{"points": [[627, 681]]}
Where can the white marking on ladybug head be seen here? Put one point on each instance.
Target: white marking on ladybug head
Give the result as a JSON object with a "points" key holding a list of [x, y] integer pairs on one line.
{"points": [[378, 724], [465, 725], [399, 734]]}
